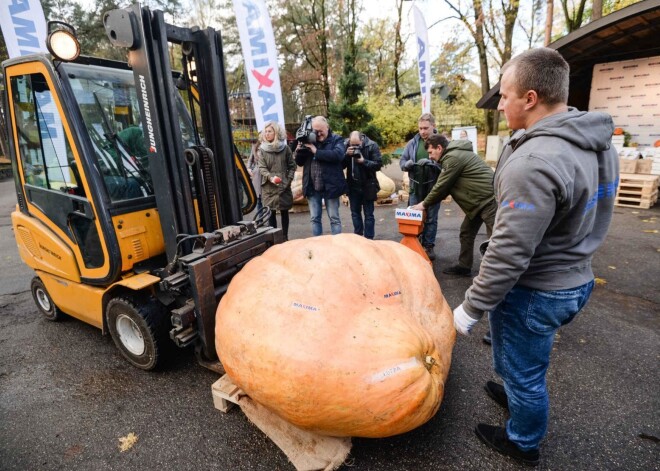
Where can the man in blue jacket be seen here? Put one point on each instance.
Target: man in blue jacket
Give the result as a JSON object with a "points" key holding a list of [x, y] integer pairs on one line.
{"points": [[555, 186], [323, 174]]}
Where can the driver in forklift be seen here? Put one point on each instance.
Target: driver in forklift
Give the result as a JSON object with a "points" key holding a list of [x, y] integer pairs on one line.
{"points": [[126, 187]]}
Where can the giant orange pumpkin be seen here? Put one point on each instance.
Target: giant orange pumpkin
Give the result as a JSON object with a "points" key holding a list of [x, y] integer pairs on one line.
{"points": [[339, 335]]}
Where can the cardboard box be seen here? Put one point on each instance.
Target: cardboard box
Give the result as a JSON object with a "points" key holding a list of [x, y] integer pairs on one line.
{"points": [[627, 165], [644, 166]]}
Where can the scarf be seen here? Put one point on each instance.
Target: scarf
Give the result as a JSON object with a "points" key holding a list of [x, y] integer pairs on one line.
{"points": [[274, 147]]}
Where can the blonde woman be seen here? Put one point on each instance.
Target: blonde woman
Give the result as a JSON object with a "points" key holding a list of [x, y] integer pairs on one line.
{"points": [[277, 168], [253, 169]]}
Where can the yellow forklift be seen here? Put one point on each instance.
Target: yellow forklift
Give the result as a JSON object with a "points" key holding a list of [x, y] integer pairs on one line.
{"points": [[130, 194]]}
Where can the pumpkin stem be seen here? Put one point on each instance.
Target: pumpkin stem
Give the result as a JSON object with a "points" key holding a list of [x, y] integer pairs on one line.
{"points": [[429, 361]]}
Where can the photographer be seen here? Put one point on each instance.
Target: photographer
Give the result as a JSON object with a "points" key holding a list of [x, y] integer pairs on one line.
{"points": [[362, 161], [321, 154]]}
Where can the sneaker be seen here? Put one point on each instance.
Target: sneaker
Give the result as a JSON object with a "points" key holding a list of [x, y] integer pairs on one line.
{"points": [[457, 270], [487, 339], [429, 252], [495, 437], [497, 393]]}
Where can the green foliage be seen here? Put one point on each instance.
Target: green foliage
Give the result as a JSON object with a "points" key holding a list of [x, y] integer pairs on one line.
{"points": [[396, 123]]}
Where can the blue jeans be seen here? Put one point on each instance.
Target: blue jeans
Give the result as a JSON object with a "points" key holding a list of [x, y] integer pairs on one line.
{"points": [[430, 223], [358, 204], [316, 211], [523, 330]]}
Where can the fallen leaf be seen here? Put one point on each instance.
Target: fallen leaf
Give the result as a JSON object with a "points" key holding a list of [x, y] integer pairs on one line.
{"points": [[583, 341], [600, 281], [127, 442], [635, 212], [650, 231], [611, 267]]}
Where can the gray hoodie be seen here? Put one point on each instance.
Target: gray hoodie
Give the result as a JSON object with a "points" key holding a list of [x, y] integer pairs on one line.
{"points": [[555, 185]]}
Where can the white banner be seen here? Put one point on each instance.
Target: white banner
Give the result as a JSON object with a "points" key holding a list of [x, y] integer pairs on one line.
{"points": [[260, 55], [423, 59], [23, 27]]}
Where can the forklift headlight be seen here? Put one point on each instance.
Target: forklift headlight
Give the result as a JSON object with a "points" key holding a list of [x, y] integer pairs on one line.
{"points": [[62, 41]]}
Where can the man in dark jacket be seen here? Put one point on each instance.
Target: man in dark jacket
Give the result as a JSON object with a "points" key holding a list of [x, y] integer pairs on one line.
{"points": [[555, 188], [362, 161], [422, 173], [467, 178], [323, 175]]}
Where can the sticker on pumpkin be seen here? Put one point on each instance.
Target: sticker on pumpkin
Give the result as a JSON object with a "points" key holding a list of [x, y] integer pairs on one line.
{"points": [[383, 375], [306, 307], [392, 294]]}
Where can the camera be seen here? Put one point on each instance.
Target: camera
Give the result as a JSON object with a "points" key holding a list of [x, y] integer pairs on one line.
{"points": [[356, 152], [305, 133]]}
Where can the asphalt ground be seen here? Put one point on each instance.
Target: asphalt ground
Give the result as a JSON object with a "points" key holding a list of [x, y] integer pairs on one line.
{"points": [[67, 397]]}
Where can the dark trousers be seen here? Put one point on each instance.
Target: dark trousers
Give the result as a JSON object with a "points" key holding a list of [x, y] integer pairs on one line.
{"points": [[284, 215], [470, 229], [358, 204]]}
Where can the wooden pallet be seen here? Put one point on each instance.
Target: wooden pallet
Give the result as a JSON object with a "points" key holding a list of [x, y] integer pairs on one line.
{"points": [[307, 451], [637, 191]]}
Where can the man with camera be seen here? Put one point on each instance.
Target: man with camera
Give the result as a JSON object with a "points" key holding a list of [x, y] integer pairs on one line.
{"points": [[361, 163], [321, 154], [423, 173]]}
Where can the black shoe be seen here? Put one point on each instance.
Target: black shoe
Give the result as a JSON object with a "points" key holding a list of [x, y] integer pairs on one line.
{"points": [[495, 437], [429, 253], [457, 270], [487, 340], [497, 393]]}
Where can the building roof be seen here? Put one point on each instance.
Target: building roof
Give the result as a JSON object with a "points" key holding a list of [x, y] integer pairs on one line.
{"points": [[630, 33]]}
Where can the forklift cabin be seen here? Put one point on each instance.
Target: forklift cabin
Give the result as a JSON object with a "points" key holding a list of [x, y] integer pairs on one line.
{"points": [[130, 193]]}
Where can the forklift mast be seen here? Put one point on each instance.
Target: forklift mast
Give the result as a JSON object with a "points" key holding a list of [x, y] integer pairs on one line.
{"points": [[214, 184]]}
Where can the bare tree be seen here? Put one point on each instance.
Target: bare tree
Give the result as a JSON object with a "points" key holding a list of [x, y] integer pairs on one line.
{"points": [[398, 50], [597, 10], [532, 27], [549, 13], [573, 14]]}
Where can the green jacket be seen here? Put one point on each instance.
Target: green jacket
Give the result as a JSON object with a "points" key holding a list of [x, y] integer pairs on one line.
{"points": [[465, 176]]}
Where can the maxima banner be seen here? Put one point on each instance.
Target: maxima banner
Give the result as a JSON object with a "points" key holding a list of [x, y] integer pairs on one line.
{"points": [[630, 92], [260, 55], [423, 59], [23, 27]]}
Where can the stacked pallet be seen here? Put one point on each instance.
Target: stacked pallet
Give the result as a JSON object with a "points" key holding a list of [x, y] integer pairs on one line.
{"points": [[637, 190]]}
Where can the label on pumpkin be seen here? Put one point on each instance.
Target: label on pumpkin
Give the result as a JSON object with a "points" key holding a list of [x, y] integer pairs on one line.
{"points": [[383, 375], [306, 307]]}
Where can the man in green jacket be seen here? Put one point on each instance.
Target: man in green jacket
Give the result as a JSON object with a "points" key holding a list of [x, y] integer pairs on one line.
{"points": [[467, 178]]}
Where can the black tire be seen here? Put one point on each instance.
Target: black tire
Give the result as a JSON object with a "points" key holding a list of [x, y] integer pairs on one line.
{"points": [[138, 330], [43, 300]]}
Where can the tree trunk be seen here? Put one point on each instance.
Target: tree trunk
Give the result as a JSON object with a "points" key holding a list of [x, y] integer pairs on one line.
{"points": [[597, 10], [398, 52], [548, 23]]}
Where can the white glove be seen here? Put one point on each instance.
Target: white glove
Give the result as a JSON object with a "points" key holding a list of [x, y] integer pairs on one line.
{"points": [[463, 323]]}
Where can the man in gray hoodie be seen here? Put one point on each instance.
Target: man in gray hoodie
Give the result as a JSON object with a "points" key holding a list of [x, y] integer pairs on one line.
{"points": [[555, 185]]}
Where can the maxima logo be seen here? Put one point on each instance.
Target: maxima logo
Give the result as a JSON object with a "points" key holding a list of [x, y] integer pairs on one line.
{"points": [[649, 105], [604, 88], [627, 86], [654, 64], [634, 66], [410, 214], [618, 77], [613, 97], [642, 75], [640, 95], [607, 69], [655, 84]]}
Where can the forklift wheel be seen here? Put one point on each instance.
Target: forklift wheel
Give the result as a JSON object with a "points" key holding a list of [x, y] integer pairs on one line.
{"points": [[135, 329], [43, 300]]}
